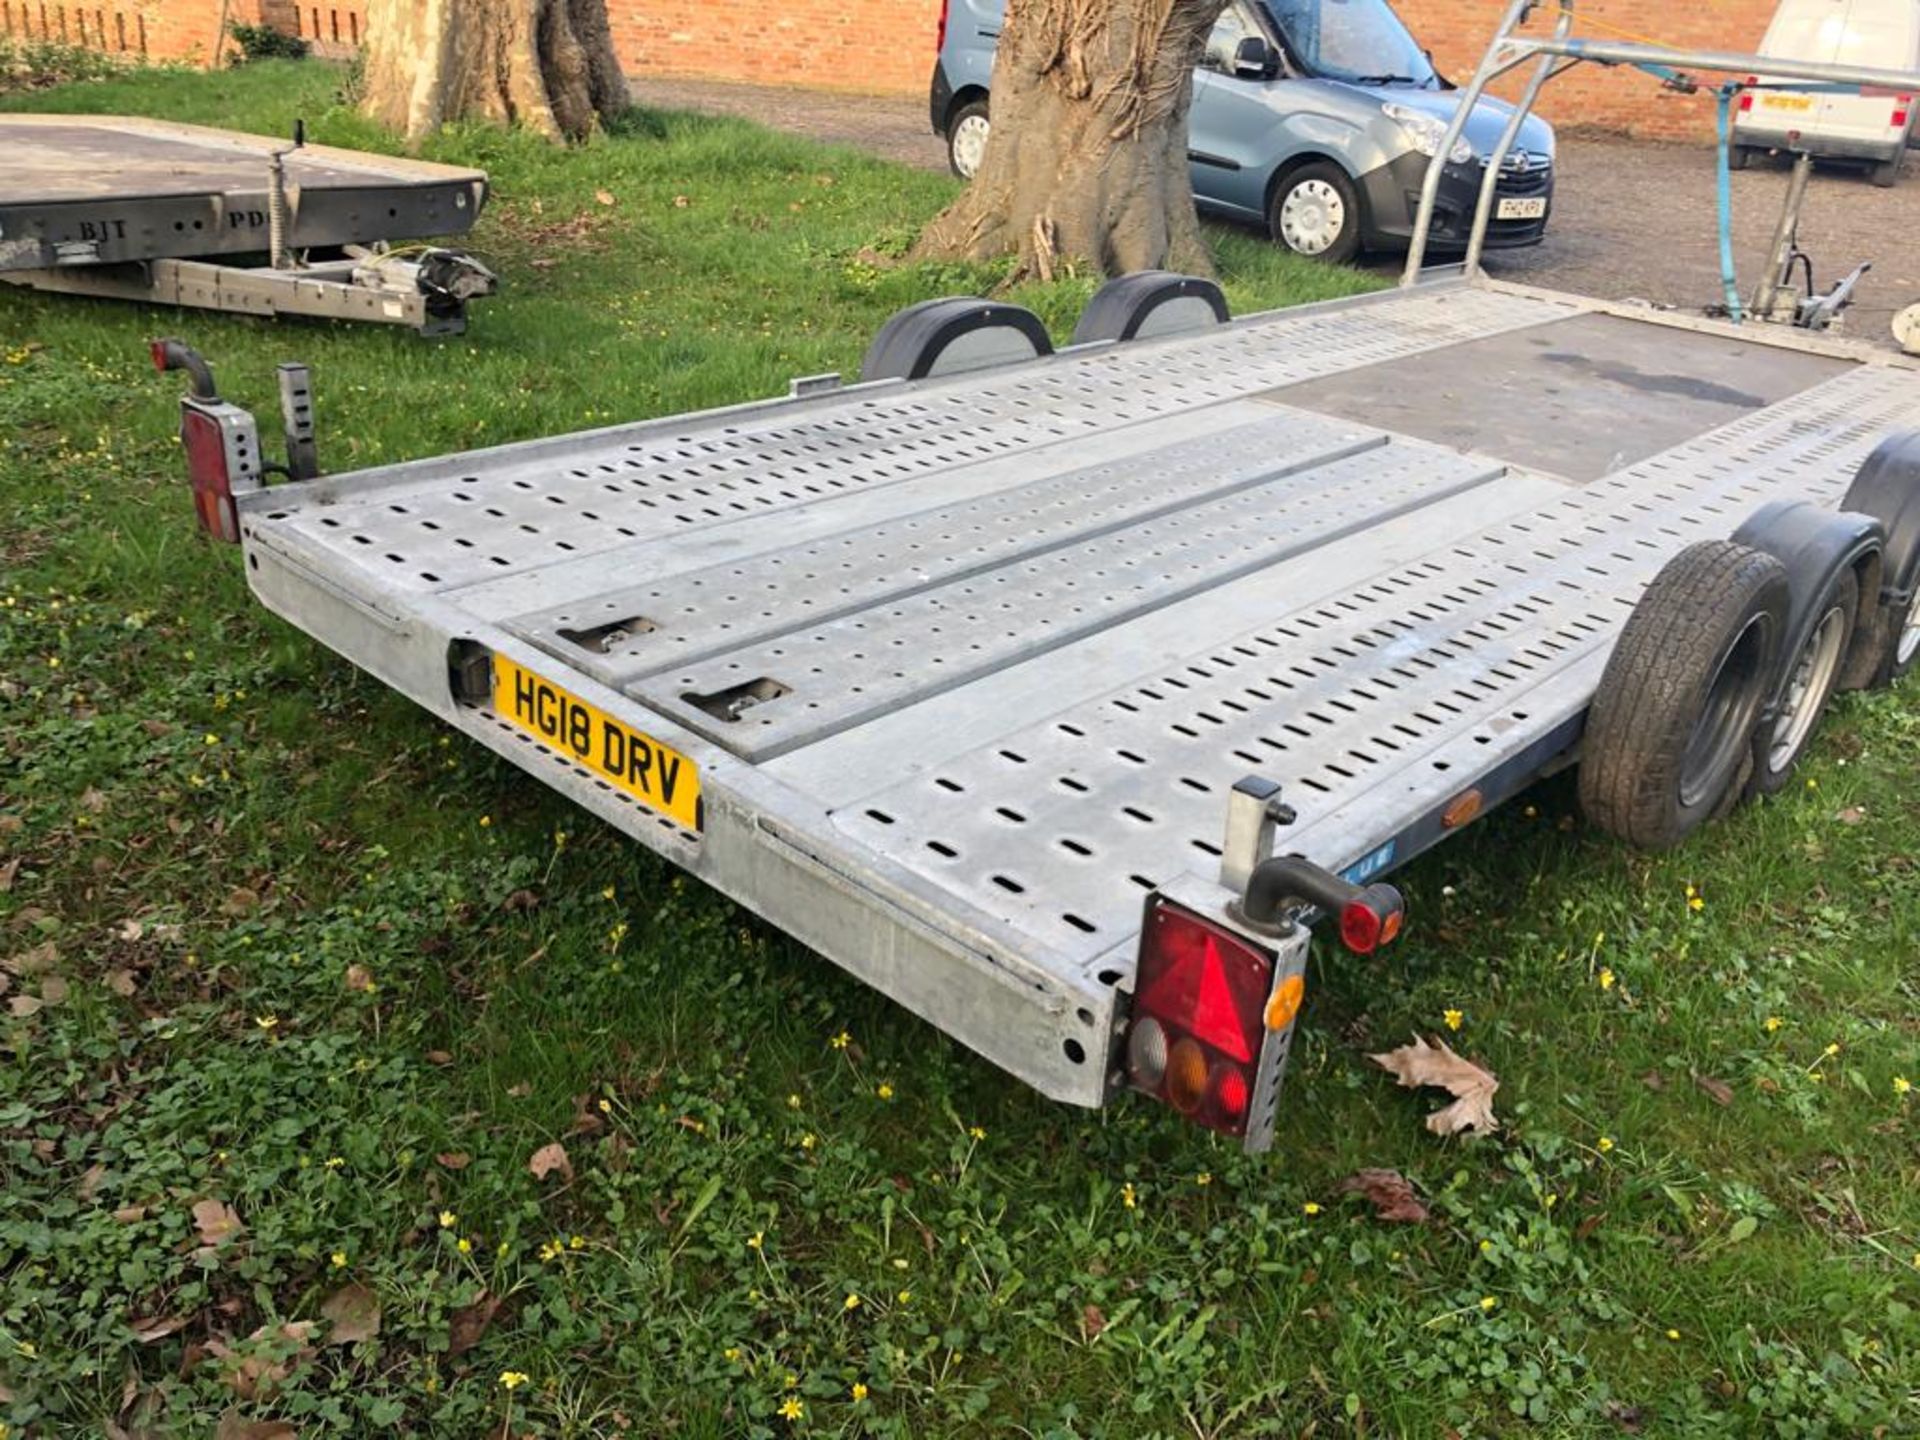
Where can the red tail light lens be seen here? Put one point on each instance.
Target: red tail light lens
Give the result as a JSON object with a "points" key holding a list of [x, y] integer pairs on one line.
{"points": [[1746, 96], [940, 36], [206, 446], [1371, 919], [1200, 995], [1901, 109]]}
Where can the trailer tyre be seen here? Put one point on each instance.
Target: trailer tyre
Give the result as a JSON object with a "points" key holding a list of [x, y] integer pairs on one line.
{"points": [[1886, 643], [1670, 735]]}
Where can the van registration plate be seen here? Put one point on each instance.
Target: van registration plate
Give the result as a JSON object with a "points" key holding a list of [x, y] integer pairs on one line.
{"points": [[1515, 207]]}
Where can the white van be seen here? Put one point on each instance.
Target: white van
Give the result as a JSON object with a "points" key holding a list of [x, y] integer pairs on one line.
{"points": [[1870, 128]]}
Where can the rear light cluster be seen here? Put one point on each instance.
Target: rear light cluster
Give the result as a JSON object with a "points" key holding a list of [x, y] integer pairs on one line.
{"points": [[205, 444], [1746, 96], [1902, 107], [1200, 1015]]}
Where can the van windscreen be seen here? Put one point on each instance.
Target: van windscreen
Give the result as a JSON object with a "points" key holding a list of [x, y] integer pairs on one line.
{"points": [[1362, 41]]}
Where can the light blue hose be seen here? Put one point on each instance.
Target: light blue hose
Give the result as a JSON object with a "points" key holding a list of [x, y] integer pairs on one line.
{"points": [[1723, 119]]}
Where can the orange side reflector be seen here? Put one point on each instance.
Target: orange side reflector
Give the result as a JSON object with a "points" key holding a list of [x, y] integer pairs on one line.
{"points": [[1463, 809], [1285, 1003]]}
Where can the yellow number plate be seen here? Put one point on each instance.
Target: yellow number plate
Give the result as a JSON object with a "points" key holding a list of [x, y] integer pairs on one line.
{"points": [[1787, 102], [658, 777]]}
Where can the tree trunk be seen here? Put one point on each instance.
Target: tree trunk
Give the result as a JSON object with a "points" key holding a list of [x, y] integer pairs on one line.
{"points": [[546, 64], [1087, 158]]}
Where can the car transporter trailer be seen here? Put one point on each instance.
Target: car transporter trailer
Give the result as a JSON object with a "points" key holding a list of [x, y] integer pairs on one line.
{"points": [[1057, 695], [129, 209]]}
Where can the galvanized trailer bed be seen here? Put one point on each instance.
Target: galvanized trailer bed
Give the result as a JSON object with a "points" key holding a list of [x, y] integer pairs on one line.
{"points": [[967, 668], [130, 208]]}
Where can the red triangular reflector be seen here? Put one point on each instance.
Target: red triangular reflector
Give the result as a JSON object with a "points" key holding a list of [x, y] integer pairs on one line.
{"points": [[1194, 994]]}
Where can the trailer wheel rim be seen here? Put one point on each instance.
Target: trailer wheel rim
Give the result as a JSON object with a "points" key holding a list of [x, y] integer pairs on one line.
{"points": [[1909, 643], [1807, 688], [1725, 726], [970, 144], [1312, 217]]}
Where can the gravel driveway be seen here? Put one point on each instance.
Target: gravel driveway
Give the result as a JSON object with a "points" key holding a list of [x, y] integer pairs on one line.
{"points": [[1631, 219]]}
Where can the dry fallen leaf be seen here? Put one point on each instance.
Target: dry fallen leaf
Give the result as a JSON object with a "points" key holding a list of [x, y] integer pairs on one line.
{"points": [[1719, 1091], [1852, 815], [681, 202], [1436, 1064], [454, 1159], [23, 1005], [360, 978], [129, 931], [130, 1214], [241, 901], [120, 982], [353, 1314], [1092, 1321], [549, 1158], [148, 1331], [7, 872], [53, 990], [235, 1426], [439, 1057], [216, 1221], [1390, 1194], [32, 962], [466, 1326], [605, 197], [93, 800]]}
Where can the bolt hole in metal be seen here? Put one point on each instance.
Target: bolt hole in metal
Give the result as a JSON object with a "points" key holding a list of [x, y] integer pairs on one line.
{"points": [[1807, 687], [1723, 726]]}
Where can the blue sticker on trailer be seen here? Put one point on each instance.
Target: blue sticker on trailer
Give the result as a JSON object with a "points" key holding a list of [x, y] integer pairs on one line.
{"points": [[1361, 871]]}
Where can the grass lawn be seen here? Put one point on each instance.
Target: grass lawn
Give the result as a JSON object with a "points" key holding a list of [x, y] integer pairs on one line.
{"points": [[299, 983]]}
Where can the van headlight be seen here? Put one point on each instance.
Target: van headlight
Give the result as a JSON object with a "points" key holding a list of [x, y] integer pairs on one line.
{"points": [[1425, 132]]}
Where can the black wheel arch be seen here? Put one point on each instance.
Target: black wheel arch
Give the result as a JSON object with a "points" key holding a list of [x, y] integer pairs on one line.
{"points": [[963, 97], [1813, 544]]}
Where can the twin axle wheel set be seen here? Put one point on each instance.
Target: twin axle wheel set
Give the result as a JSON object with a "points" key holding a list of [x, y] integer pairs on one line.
{"points": [[1723, 672]]}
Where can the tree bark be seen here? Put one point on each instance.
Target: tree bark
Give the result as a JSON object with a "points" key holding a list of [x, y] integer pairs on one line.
{"points": [[545, 64], [1087, 157]]}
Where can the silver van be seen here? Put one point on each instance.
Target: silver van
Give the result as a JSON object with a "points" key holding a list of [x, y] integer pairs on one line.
{"points": [[1313, 118]]}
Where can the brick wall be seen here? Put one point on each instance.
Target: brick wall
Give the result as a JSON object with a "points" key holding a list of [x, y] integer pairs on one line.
{"points": [[1608, 99], [881, 46], [177, 29], [886, 46]]}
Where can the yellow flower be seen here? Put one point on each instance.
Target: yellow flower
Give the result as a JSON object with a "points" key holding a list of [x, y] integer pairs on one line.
{"points": [[1603, 1145], [1901, 1085], [1452, 1019], [1126, 1195], [1773, 1023], [486, 821], [448, 1219], [1486, 1247], [859, 1392], [842, 1040], [808, 1141], [552, 1250], [1205, 1177], [578, 1242], [884, 1090], [791, 1408], [608, 893], [465, 1246], [1311, 1208], [1487, 1302], [852, 1302], [1833, 1049], [755, 1240], [512, 1379], [339, 1259], [606, 1106], [1606, 978], [907, 1295], [267, 1022], [1673, 1334], [793, 1102], [334, 1162], [731, 1354], [976, 1132]]}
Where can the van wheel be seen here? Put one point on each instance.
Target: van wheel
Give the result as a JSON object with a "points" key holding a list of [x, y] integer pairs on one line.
{"points": [[1886, 175], [1741, 157], [1315, 212], [967, 139]]}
